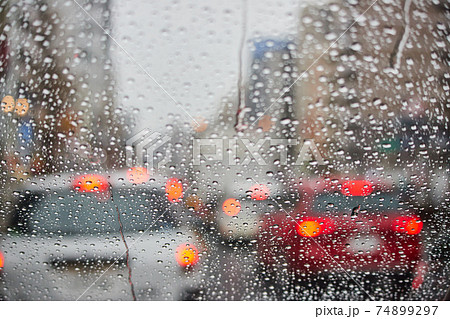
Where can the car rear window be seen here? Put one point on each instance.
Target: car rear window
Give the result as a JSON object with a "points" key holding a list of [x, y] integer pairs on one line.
{"points": [[72, 212], [340, 203]]}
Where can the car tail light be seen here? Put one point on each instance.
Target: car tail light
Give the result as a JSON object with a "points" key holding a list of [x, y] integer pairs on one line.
{"points": [[2, 260], [231, 207], [259, 192], [357, 188], [174, 190], [410, 225], [186, 255], [312, 227], [91, 183]]}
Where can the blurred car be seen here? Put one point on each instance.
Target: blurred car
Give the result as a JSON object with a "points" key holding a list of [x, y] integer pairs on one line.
{"points": [[64, 241], [348, 227], [244, 204]]}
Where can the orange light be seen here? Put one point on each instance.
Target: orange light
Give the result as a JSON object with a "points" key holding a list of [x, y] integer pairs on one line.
{"points": [[90, 183], [2, 260], [259, 192], [174, 190], [414, 226], [200, 124], [138, 175], [309, 228], [231, 207], [357, 188], [186, 255], [8, 104], [315, 226], [22, 107], [409, 225]]}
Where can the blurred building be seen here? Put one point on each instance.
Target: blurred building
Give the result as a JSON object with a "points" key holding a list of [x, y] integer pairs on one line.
{"points": [[58, 59], [55, 57], [368, 78]]}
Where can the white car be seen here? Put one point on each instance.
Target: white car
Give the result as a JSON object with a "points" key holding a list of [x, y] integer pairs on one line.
{"points": [[64, 242]]}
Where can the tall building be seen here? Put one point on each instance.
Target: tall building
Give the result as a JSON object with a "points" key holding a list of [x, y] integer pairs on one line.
{"points": [[369, 73], [58, 59]]}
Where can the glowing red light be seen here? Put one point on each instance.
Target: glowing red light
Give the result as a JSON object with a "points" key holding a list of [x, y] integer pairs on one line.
{"points": [[409, 225], [357, 188], [259, 192], [186, 255], [312, 227], [2, 260], [309, 228], [91, 183], [174, 190], [231, 207]]}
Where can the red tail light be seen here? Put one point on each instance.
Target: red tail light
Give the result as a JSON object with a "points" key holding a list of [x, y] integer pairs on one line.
{"points": [[259, 192], [312, 227], [410, 225], [2, 260], [231, 207], [186, 255], [357, 188], [174, 190], [90, 183]]}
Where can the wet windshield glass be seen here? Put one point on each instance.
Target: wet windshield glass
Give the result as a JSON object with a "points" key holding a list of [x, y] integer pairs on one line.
{"points": [[373, 203], [219, 150]]}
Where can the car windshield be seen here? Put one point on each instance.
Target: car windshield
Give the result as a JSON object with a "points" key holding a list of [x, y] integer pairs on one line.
{"points": [[214, 121], [373, 203], [87, 213]]}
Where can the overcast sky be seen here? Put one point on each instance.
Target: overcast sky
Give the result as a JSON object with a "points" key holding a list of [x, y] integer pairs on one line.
{"points": [[191, 48]]}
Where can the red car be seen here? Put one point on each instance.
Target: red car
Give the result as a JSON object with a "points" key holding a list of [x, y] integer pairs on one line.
{"points": [[349, 227]]}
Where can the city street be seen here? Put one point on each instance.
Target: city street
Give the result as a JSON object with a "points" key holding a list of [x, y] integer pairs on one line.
{"points": [[234, 150]]}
